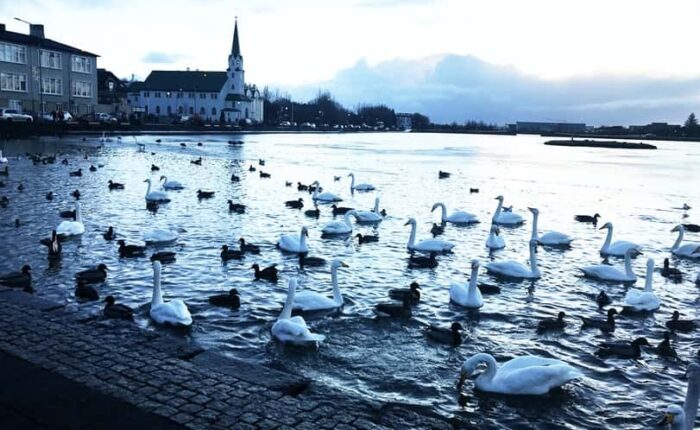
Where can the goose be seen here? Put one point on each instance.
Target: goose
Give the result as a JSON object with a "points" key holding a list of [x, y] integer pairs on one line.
{"points": [[514, 269], [397, 310], [457, 217], [622, 349], [130, 250], [295, 204], [248, 247], [687, 250], [89, 276], [76, 194], [3, 160], [114, 185], [49, 195], [468, 295], [550, 238], [159, 236], [72, 228], [366, 238], [235, 178], [309, 301], [693, 228], [372, 216], [605, 272], [289, 329], [325, 197], [155, 196], [313, 213], [22, 279], [412, 293], [437, 230], [109, 234], [165, 257], [664, 347], [170, 185], [450, 336], [115, 310], [174, 312], [427, 245], [269, 273], [550, 324], [339, 210], [618, 248], [306, 261], [231, 254], [606, 326], [495, 241], [422, 262], [293, 244], [646, 300], [54, 246], [78, 172], [228, 300], [205, 194], [587, 218], [524, 375], [443, 175], [506, 218], [359, 187], [236, 207], [671, 272], [684, 418], [85, 291], [677, 324], [339, 227]]}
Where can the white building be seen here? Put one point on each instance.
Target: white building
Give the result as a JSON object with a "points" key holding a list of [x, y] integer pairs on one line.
{"points": [[212, 96]]}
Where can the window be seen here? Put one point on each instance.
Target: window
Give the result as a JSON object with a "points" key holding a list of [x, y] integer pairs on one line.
{"points": [[53, 86], [179, 110], [190, 95], [50, 59], [179, 95], [202, 112], [147, 94], [157, 93], [15, 104], [110, 85], [191, 110], [82, 64], [202, 96], [213, 111], [13, 82], [82, 89], [13, 53], [213, 96], [158, 110], [170, 111], [168, 94]]}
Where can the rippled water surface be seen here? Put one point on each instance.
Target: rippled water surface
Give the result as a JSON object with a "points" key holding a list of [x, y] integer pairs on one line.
{"points": [[390, 360]]}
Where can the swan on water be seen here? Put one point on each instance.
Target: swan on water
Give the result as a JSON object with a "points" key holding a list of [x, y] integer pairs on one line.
{"points": [[294, 244], [72, 228], [525, 375], [3, 160], [325, 197], [506, 218], [174, 312], [687, 250], [427, 245], [468, 295], [160, 235], [360, 187], [644, 300], [170, 185], [605, 272], [514, 269], [155, 196], [370, 216], [336, 227], [617, 248], [684, 418], [457, 217], [550, 238], [495, 241], [291, 329], [313, 301]]}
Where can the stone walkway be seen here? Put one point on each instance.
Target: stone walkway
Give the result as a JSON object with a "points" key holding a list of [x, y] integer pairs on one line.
{"points": [[169, 378]]}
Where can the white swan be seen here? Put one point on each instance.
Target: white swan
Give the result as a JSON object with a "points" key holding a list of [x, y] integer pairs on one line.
{"points": [[606, 272], [325, 196], [174, 312], [514, 269], [618, 248], [104, 138], [293, 329], [526, 375], [645, 300], [468, 295], [3, 160], [170, 185], [313, 301], [688, 250], [428, 245], [339, 227], [370, 216], [72, 228], [457, 217], [550, 238], [495, 241], [360, 187], [505, 218], [294, 244], [684, 418], [155, 196], [160, 235]]}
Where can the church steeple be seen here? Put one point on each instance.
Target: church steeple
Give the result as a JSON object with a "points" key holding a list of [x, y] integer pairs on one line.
{"points": [[235, 48]]}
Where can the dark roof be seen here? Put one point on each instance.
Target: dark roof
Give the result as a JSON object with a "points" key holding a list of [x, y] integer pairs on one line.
{"points": [[25, 39], [237, 98], [236, 48], [104, 76], [165, 80], [134, 87]]}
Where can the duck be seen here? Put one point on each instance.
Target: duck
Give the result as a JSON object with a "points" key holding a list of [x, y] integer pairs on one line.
{"points": [[54, 246], [295, 204], [313, 213], [443, 175], [155, 196], [488, 289], [646, 300], [366, 238], [114, 185], [205, 194], [683, 418], [693, 228], [72, 228], [248, 247], [687, 250], [427, 245], [264, 175], [524, 375], [130, 250], [251, 168], [506, 218], [50, 195], [618, 248], [359, 187], [76, 194], [448, 335], [310, 301], [677, 324], [412, 293], [550, 238], [4, 201], [165, 257], [325, 197], [293, 244], [468, 295], [22, 279], [235, 178], [664, 347], [293, 329], [495, 241], [78, 172], [393, 309], [671, 272], [85, 291], [268, 274], [228, 300], [109, 234], [457, 217], [261, 162], [551, 324], [339, 210], [587, 218], [302, 187], [622, 349], [437, 230], [170, 185], [93, 168], [236, 207], [602, 299], [605, 272], [517, 270], [117, 311], [174, 312], [373, 216], [231, 254], [160, 236], [197, 162], [339, 227], [90, 276], [606, 326]]}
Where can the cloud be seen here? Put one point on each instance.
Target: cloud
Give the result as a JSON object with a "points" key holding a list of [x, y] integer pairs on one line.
{"points": [[156, 57]]}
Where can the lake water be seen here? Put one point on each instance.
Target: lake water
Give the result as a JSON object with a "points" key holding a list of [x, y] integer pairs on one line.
{"points": [[379, 358]]}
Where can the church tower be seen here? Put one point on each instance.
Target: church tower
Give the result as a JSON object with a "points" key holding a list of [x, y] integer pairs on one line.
{"points": [[235, 71]]}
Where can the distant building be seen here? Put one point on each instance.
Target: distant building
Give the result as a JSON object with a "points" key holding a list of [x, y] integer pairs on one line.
{"points": [[212, 95], [111, 93], [657, 129], [549, 127], [404, 121], [67, 75]]}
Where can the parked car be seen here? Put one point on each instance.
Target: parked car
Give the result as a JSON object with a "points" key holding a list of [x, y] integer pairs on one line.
{"points": [[181, 119], [105, 118], [11, 115], [48, 116]]}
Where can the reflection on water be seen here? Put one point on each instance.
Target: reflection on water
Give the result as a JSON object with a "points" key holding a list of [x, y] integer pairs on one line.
{"points": [[374, 357]]}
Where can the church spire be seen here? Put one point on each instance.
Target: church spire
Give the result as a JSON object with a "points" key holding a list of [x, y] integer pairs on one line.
{"points": [[236, 48]]}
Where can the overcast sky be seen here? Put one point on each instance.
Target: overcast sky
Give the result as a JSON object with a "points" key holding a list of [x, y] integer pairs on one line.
{"points": [[302, 44]]}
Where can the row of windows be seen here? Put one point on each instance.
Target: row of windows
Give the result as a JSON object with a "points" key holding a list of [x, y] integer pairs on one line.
{"points": [[13, 82], [12, 53], [181, 110], [179, 95], [53, 86]]}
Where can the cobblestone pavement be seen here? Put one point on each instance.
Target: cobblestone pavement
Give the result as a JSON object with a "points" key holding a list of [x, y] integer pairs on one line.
{"points": [[167, 376]]}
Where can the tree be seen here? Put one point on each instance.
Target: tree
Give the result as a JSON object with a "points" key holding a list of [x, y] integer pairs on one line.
{"points": [[692, 122]]}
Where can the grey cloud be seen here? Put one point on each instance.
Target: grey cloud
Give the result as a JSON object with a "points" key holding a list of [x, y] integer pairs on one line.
{"points": [[156, 57]]}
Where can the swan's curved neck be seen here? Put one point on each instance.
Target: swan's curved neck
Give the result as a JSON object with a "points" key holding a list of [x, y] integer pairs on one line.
{"points": [[650, 275], [533, 260], [302, 240], [337, 296], [535, 216], [608, 239], [628, 267], [412, 236], [165, 180], [287, 309], [352, 181], [491, 365], [678, 240], [690, 407], [376, 205], [443, 209], [473, 281], [157, 298], [498, 210], [148, 190], [346, 218]]}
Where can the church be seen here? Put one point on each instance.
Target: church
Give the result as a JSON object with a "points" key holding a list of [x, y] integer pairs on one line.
{"points": [[212, 96]]}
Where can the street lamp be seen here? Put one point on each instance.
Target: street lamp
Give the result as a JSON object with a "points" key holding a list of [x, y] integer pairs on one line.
{"points": [[41, 90]]}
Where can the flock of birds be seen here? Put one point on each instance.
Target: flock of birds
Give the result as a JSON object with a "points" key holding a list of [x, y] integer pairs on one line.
{"points": [[525, 375]]}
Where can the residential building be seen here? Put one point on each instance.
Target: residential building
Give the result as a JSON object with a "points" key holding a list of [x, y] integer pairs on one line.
{"points": [[404, 121], [111, 93], [41, 75], [550, 127]]}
